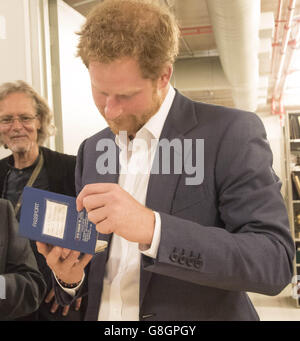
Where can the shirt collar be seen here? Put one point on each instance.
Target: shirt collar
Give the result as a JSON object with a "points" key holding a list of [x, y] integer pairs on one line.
{"points": [[155, 124], [11, 163]]}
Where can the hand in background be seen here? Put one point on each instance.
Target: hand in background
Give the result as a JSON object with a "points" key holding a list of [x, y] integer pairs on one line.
{"points": [[55, 305]]}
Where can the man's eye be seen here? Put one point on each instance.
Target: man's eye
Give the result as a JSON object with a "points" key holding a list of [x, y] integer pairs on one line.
{"points": [[124, 96], [6, 120], [103, 94], [26, 118]]}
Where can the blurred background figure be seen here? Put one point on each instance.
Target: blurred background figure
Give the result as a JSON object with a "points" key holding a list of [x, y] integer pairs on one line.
{"points": [[21, 282], [25, 124]]}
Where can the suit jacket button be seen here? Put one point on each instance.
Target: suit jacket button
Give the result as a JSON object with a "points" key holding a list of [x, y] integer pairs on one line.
{"points": [[182, 259], [197, 263], [174, 256], [190, 261]]}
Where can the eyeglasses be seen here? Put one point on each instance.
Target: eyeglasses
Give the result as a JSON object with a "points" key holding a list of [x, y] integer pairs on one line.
{"points": [[25, 120]]}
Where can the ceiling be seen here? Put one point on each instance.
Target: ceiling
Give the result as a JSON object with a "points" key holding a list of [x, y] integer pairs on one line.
{"points": [[236, 53]]}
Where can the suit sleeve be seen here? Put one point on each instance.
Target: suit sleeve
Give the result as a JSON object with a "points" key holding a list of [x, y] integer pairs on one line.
{"points": [[252, 250], [24, 284]]}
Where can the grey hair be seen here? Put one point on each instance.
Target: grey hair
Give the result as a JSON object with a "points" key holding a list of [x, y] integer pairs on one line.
{"points": [[42, 109]]}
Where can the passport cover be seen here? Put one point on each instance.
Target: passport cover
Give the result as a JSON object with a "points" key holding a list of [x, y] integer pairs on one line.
{"points": [[52, 218]]}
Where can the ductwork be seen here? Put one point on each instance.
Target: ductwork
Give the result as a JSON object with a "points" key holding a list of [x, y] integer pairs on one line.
{"points": [[236, 29], [202, 79]]}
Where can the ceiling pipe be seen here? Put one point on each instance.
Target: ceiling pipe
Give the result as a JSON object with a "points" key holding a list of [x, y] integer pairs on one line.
{"points": [[292, 45], [275, 43], [186, 31], [284, 46], [199, 54], [236, 30], [277, 106]]}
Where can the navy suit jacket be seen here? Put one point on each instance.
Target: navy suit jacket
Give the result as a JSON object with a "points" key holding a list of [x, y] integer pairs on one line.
{"points": [[220, 239]]}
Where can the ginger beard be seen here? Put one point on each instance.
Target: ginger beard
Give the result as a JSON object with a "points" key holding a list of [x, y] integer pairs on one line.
{"points": [[132, 123]]}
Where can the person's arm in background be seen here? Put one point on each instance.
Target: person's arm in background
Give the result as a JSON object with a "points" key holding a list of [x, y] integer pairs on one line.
{"points": [[24, 284]]}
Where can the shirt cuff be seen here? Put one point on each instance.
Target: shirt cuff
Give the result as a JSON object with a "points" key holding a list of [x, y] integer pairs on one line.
{"points": [[151, 250], [71, 292]]}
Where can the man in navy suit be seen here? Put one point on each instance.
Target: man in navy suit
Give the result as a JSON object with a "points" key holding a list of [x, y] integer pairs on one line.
{"points": [[183, 192]]}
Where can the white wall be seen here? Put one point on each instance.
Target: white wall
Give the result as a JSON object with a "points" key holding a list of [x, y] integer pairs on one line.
{"points": [[24, 54], [21, 55], [81, 118], [12, 45], [13, 51]]}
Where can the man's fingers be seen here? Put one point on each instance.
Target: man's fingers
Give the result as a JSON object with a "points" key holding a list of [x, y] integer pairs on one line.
{"points": [[43, 248], [94, 201], [98, 215], [84, 260], [50, 296], [78, 303], [65, 311], [90, 189], [54, 307], [104, 227], [65, 253], [53, 257], [71, 259]]}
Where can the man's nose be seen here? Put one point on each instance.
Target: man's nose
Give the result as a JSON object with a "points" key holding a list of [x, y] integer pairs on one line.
{"points": [[16, 124], [112, 108]]}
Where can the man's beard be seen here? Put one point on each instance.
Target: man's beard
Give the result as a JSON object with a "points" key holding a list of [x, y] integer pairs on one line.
{"points": [[20, 148], [132, 123]]}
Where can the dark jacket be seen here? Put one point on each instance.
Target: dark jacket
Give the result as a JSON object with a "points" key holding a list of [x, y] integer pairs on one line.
{"points": [[22, 287], [221, 238], [60, 169]]}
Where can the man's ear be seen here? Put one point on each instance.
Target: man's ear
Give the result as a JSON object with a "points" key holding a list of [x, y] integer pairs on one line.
{"points": [[165, 77]]}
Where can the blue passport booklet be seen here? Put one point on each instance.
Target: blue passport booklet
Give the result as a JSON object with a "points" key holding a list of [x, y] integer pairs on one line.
{"points": [[53, 219]]}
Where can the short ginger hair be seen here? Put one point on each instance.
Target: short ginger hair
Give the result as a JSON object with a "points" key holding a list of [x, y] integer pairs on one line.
{"points": [[140, 29]]}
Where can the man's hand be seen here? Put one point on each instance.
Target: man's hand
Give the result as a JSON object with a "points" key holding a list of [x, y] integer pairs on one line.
{"points": [[65, 263], [55, 305], [113, 210]]}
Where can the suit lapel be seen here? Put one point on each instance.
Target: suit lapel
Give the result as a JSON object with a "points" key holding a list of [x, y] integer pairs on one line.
{"points": [[180, 120], [162, 187]]}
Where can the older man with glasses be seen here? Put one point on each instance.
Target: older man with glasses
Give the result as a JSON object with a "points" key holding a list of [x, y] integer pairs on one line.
{"points": [[25, 123]]}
